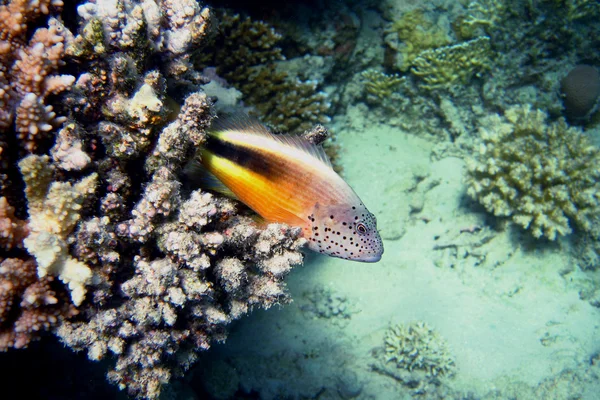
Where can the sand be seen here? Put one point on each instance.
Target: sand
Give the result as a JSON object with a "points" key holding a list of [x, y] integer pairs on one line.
{"points": [[507, 306]]}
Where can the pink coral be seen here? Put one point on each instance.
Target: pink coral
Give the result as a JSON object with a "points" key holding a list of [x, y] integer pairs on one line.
{"points": [[27, 70], [12, 230], [39, 306]]}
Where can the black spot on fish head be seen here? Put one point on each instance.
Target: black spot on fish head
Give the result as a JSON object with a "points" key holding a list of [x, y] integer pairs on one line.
{"points": [[345, 231]]}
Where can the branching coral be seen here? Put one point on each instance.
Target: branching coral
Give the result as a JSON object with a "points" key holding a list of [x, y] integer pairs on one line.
{"points": [[156, 269], [482, 16], [12, 229], [417, 33], [544, 176], [245, 53], [53, 213], [446, 66], [28, 70], [28, 305], [379, 85], [417, 347], [210, 268]]}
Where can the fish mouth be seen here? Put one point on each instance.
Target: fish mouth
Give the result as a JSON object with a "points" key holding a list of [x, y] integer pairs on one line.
{"points": [[370, 259]]}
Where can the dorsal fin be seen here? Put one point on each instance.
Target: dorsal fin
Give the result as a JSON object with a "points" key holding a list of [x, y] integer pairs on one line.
{"points": [[246, 124]]}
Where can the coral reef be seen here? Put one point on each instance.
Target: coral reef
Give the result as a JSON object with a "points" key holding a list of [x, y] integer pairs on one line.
{"points": [[416, 33], [544, 176], [154, 269], [456, 64], [246, 55]]}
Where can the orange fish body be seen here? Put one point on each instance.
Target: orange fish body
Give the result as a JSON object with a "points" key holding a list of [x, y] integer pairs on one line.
{"points": [[286, 179]]}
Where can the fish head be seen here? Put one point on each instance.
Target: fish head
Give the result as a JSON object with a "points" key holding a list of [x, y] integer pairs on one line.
{"points": [[344, 231]]}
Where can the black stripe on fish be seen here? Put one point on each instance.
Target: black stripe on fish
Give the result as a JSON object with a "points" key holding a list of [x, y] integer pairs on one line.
{"points": [[248, 158]]}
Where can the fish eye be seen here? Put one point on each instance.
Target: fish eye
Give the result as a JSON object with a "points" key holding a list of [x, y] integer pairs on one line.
{"points": [[361, 228]]}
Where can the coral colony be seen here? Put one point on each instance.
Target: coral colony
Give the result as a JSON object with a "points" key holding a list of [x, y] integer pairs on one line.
{"points": [[104, 247], [105, 243]]}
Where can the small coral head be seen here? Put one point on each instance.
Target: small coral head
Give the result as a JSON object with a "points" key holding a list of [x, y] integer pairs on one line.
{"points": [[345, 231]]}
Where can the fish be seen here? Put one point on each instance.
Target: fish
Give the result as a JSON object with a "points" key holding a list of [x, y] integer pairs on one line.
{"points": [[287, 179]]}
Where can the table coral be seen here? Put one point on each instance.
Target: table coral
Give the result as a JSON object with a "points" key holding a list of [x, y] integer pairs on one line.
{"points": [[544, 176]]}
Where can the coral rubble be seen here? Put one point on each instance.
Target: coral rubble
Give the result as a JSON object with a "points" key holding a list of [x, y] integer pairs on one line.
{"points": [[543, 175]]}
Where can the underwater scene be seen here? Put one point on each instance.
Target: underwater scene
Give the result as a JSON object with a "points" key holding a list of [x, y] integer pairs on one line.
{"points": [[310, 199]]}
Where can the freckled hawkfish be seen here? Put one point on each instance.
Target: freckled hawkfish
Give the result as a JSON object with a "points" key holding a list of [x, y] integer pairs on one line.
{"points": [[287, 179]]}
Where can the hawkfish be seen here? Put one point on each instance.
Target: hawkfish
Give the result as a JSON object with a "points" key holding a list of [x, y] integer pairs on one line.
{"points": [[287, 179]]}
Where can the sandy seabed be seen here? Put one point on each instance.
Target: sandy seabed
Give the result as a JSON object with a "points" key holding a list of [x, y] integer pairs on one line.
{"points": [[508, 306]]}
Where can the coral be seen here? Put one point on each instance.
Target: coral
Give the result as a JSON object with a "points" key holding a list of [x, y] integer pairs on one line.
{"points": [[580, 90], [481, 15], [170, 306], [246, 55], [456, 64], [28, 74], [28, 305], [54, 209], [417, 33], [417, 347], [207, 266], [323, 302], [156, 269], [12, 230], [544, 176], [380, 86], [576, 9]]}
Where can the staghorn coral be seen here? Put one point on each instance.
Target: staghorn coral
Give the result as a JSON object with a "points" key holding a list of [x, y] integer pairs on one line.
{"points": [[544, 176], [443, 67]]}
